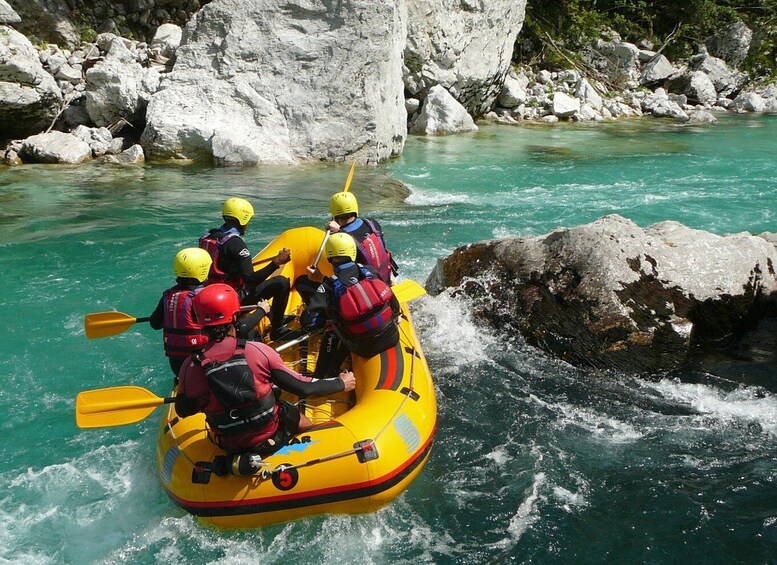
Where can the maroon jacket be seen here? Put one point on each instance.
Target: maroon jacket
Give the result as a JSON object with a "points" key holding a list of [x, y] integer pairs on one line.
{"points": [[268, 369]]}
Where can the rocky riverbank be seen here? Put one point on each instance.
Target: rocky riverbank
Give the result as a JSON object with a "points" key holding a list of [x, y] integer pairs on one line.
{"points": [[245, 83]]}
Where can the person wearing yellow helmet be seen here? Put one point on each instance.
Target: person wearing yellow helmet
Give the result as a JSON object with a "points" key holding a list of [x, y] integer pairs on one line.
{"points": [[340, 246], [367, 232], [360, 305], [174, 314], [238, 208], [232, 262]]}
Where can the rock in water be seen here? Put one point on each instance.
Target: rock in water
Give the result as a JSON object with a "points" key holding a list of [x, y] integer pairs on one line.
{"points": [[613, 295]]}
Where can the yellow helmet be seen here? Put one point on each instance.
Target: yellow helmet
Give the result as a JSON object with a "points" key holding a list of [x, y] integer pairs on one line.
{"points": [[341, 245], [238, 208], [343, 203], [192, 263]]}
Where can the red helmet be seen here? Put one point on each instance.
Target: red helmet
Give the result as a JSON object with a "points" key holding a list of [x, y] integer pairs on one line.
{"points": [[216, 305]]}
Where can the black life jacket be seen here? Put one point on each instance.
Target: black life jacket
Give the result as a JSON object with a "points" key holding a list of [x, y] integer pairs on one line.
{"points": [[232, 383]]}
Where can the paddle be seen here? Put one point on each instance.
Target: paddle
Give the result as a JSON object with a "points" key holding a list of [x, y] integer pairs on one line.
{"points": [[350, 178], [328, 233], [321, 249], [406, 291], [105, 324], [115, 406], [121, 405]]}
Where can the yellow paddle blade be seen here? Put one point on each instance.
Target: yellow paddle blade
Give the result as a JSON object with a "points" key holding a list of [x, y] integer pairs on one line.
{"points": [[103, 324], [350, 178], [115, 406], [406, 291]]}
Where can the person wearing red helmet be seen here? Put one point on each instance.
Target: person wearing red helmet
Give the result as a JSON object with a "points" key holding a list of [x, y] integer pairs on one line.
{"points": [[244, 414]]}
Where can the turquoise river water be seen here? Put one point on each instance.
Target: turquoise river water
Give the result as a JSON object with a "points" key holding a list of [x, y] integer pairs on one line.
{"points": [[534, 460]]}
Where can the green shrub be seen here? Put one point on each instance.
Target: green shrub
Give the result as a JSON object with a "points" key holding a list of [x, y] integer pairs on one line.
{"points": [[572, 23], [88, 35]]}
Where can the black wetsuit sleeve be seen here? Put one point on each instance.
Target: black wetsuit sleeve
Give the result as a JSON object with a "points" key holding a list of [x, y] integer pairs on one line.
{"points": [[262, 274], [320, 305], [238, 258], [246, 324], [185, 406], [157, 318], [241, 262], [301, 388]]}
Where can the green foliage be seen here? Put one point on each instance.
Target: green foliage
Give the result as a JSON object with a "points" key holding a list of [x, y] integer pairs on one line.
{"points": [[88, 34], [572, 23]]}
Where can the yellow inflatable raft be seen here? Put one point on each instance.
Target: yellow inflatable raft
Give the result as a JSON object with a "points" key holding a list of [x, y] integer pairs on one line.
{"points": [[366, 447]]}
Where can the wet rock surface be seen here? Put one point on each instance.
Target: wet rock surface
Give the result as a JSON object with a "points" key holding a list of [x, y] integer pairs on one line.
{"points": [[611, 294]]}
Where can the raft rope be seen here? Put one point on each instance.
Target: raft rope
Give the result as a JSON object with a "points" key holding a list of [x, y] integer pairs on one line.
{"points": [[366, 445], [410, 390], [169, 425]]}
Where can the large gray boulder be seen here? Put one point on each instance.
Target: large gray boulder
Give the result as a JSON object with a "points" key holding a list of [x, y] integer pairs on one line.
{"points": [[463, 45], [748, 102], [613, 295], [99, 140], [166, 40], [725, 80], [265, 81], [118, 87], [441, 114], [564, 105], [513, 92], [768, 94], [46, 20], [731, 44], [656, 70], [695, 85], [660, 105], [7, 14], [55, 147], [587, 94], [616, 61], [29, 96]]}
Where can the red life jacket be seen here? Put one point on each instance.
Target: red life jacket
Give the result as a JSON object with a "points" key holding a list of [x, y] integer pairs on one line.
{"points": [[240, 404], [182, 333], [373, 251], [364, 308], [212, 242]]}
